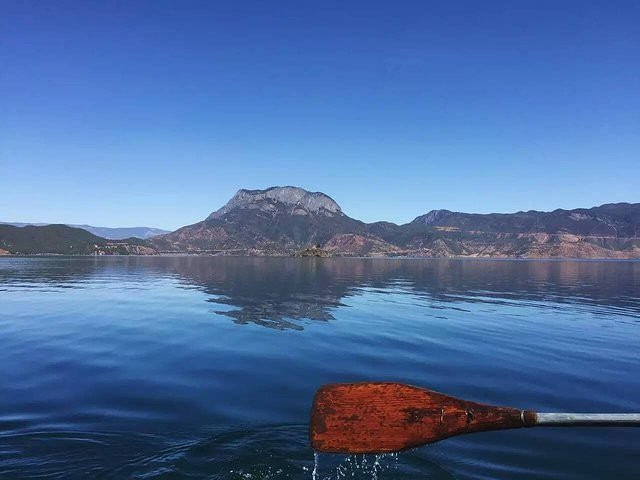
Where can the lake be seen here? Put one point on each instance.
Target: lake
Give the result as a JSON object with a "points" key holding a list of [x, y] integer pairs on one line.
{"points": [[205, 367]]}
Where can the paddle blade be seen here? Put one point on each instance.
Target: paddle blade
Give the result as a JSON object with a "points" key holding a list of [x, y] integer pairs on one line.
{"points": [[386, 417]]}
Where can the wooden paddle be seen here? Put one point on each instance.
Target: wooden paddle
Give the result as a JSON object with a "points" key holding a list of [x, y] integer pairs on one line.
{"points": [[388, 417]]}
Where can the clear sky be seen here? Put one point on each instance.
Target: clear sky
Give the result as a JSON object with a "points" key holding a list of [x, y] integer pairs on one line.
{"points": [[123, 113]]}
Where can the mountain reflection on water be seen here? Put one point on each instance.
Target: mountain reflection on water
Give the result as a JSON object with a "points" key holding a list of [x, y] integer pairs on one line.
{"points": [[281, 293], [278, 293], [159, 367]]}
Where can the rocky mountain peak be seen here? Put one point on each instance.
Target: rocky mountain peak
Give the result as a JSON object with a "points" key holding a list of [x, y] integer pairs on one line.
{"points": [[432, 217], [294, 200]]}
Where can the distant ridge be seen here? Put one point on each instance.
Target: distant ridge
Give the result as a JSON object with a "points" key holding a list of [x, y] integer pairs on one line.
{"points": [[64, 240], [612, 219], [112, 233]]}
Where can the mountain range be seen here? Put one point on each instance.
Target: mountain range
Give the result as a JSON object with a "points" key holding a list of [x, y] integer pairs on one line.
{"points": [[111, 233], [290, 220], [64, 240], [284, 221]]}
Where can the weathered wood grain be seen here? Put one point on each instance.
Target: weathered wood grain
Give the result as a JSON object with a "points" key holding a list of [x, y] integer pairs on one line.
{"points": [[387, 417]]}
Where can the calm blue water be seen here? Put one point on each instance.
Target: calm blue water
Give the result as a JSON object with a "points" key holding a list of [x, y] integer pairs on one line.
{"points": [[190, 367]]}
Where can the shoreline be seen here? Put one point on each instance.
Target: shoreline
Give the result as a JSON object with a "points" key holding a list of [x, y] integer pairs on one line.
{"points": [[373, 257]]}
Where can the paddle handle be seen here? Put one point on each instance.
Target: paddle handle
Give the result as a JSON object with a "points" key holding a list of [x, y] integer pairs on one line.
{"points": [[587, 419]]}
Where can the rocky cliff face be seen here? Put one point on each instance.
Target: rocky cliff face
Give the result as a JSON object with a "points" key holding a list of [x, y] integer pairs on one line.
{"points": [[291, 200], [286, 220]]}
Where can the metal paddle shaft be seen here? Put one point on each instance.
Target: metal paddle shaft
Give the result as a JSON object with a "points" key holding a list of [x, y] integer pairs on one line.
{"points": [[587, 420], [386, 417]]}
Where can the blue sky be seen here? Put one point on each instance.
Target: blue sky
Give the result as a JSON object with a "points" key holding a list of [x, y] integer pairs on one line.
{"points": [[122, 113]]}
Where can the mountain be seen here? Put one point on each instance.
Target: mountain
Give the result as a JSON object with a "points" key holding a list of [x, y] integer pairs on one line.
{"points": [[290, 220], [614, 219], [608, 231], [275, 221], [294, 200], [64, 240], [111, 233]]}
